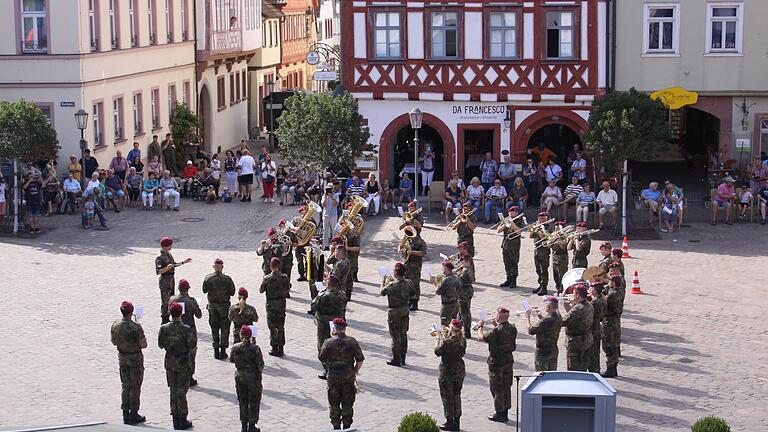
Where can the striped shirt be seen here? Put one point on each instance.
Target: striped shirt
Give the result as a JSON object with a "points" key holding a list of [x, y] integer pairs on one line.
{"points": [[573, 190]]}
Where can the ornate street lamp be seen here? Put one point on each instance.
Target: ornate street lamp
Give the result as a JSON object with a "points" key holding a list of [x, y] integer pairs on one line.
{"points": [[81, 120], [416, 118]]}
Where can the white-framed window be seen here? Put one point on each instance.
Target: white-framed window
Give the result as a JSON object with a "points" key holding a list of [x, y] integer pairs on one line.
{"points": [[92, 22], [168, 21], [502, 34], [171, 99], [444, 28], [132, 20], [561, 31], [151, 19], [387, 35], [137, 120], [184, 19], [117, 116], [155, 109], [724, 27], [113, 24], [34, 26], [97, 124], [185, 93], [662, 28]]}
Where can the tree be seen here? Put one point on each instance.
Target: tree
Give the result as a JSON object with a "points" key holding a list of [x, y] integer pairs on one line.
{"points": [[627, 125], [184, 126], [322, 131], [25, 133]]}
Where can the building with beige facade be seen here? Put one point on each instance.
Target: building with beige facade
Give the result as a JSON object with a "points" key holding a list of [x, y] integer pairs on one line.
{"points": [[716, 49], [263, 68], [126, 62]]}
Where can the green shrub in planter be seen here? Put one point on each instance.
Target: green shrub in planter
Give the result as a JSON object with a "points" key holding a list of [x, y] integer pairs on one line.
{"points": [[418, 422], [710, 424]]}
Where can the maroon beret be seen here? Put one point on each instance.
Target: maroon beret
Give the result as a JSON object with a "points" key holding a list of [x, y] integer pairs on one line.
{"points": [[340, 322], [246, 331], [456, 324], [581, 289], [175, 309], [551, 299], [333, 280], [166, 241], [502, 310], [183, 285], [581, 224], [448, 264], [282, 222], [218, 261], [618, 252], [606, 245], [274, 261], [399, 266], [272, 231], [242, 292], [126, 306], [412, 203], [513, 209], [542, 214]]}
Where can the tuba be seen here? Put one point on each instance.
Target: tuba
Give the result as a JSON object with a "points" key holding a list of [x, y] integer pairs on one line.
{"points": [[409, 232], [307, 227], [359, 204]]}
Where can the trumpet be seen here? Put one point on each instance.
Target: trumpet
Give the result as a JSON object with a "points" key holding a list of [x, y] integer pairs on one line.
{"points": [[442, 332], [461, 218]]}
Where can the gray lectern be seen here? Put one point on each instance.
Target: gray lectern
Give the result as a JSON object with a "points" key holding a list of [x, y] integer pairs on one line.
{"points": [[568, 401]]}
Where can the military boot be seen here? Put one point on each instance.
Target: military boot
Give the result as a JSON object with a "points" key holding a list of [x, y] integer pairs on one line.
{"points": [[253, 428], [610, 372], [281, 350], [346, 425], [402, 359], [449, 425], [506, 283], [498, 416], [183, 423], [458, 424], [175, 422], [243, 426], [216, 352], [135, 418], [414, 305], [275, 351], [395, 361], [223, 353], [192, 382], [323, 375], [336, 425], [513, 282], [126, 416]]}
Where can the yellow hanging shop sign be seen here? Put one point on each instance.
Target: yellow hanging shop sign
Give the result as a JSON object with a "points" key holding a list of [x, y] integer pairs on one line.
{"points": [[676, 97]]}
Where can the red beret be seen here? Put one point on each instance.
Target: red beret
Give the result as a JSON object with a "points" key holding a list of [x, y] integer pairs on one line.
{"points": [[617, 251], [466, 204], [218, 261], [272, 231], [274, 261], [337, 239], [551, 299], [542, 214], [513, 209], [242, 292], [183, 285], [350, 204], [166, 241], [333, 280], [606, 245], [581, 289], [456, 323], [340, 322], [282, 222], [448, 264], [463, 245], [246, 331], [502, 309], [400, 266], [175, 309], [412, 203], [126, 306], [581, 224]]}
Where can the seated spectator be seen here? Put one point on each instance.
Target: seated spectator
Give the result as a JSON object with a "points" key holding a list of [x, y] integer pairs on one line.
{"points": [[745, 199], [387, 193], [170, 189], [606, 201], [475, 193], [354, 188], [725, 194], [373, 193], [758, 174], [115, 193], [453, 198], [571, 193], [551, 197], [585, 199], [494, 198], [675, 191], [133, 182], [650, 198], [669, 211], [762, 198], [94, 183], [71, 190], [155, 167], [288, 188], [149, 190], [405, 189], [50, 192], [137, 166], [190, 171], [459, 181], [518, 195]]}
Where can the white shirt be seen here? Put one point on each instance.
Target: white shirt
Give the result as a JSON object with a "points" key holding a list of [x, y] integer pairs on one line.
{"points": [[268, 169], [90, 186], [246, 164], [329, 206], [553, 172], [2, 192], [609, 198], [71, 185]]}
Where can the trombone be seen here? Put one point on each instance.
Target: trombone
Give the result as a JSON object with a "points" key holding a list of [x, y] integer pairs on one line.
{"points": [[556, 235], [461, 218], [408, 216], [577, 234], [506, 221]]}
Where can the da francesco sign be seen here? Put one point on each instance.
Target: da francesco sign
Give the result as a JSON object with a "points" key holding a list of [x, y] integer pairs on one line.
{"points": [[675, 97], [479, 111]]}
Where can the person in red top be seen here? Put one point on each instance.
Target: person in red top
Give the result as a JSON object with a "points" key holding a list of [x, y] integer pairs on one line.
{"points": [[190, 171]]}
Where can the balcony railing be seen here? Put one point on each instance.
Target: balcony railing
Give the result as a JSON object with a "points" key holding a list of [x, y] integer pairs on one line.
{"points": [[134, 41], [32, 47], [94, 44], [226, 40]]}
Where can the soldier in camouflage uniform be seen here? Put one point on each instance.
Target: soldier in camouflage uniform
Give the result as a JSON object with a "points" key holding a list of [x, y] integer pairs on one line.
{"points": [[580, 246], [448, 290], [541, 256], [610, 326], [277, 288], [465, 231], [165, 267], [398, 293], [268, 249], [559, 258], [328, 305], [340, 262], [190, 311], [417, 220], [616, 255], [547, 332], [510, 249], [353, 255], [342, 358], [605, 261], [466, 292], [128, 337], [241, 314], [249, 365], [220, 289], [598, 308], [615, 269], [451, 351], [413, 264], [176, 338], [462, 250], [286, 259], [578, 329], [501, 344]]}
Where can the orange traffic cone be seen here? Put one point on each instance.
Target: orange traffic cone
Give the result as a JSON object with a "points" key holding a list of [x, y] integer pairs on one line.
{"points": [[636, 285], [625, 248]]}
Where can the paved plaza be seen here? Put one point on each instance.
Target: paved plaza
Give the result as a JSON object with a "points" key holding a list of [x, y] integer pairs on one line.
{"points": [[693, 345]]}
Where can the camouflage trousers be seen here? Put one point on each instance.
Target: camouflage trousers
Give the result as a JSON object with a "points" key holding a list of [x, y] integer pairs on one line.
{"points": [[559, 267], [193, 356], [541, 261], [341, 399], [611, 340], [579, 262], [593, 353], [448, 311], [450, 393], [500, 378], [577, 348], [286, 267], [465, 315], [178, 383], [397, 319], [131, 378], [167, 284], [354, 266], [470, 244], [312, 289], [546, 359], [276, 322], [413, 274], [511, 257], [248, 390], [323, 330], [218, 318]]}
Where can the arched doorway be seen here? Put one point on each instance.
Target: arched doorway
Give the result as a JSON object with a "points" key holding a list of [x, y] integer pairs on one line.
{"points": [[402, 151], [559, 138], [205, 117]]}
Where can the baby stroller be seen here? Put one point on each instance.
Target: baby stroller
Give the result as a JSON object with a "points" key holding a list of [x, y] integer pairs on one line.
{"points": [[197, 190]]}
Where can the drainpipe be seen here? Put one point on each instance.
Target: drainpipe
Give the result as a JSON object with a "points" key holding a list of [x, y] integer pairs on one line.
{"points": [[197, 89], [611, 40]]}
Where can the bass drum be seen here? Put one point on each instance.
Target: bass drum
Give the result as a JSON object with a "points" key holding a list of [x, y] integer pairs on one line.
{"points": [[571, 277]]}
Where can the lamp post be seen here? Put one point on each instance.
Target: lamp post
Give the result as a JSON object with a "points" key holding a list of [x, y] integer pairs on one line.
{"points": [[270, 90], [416, 117], [81, 120]]}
